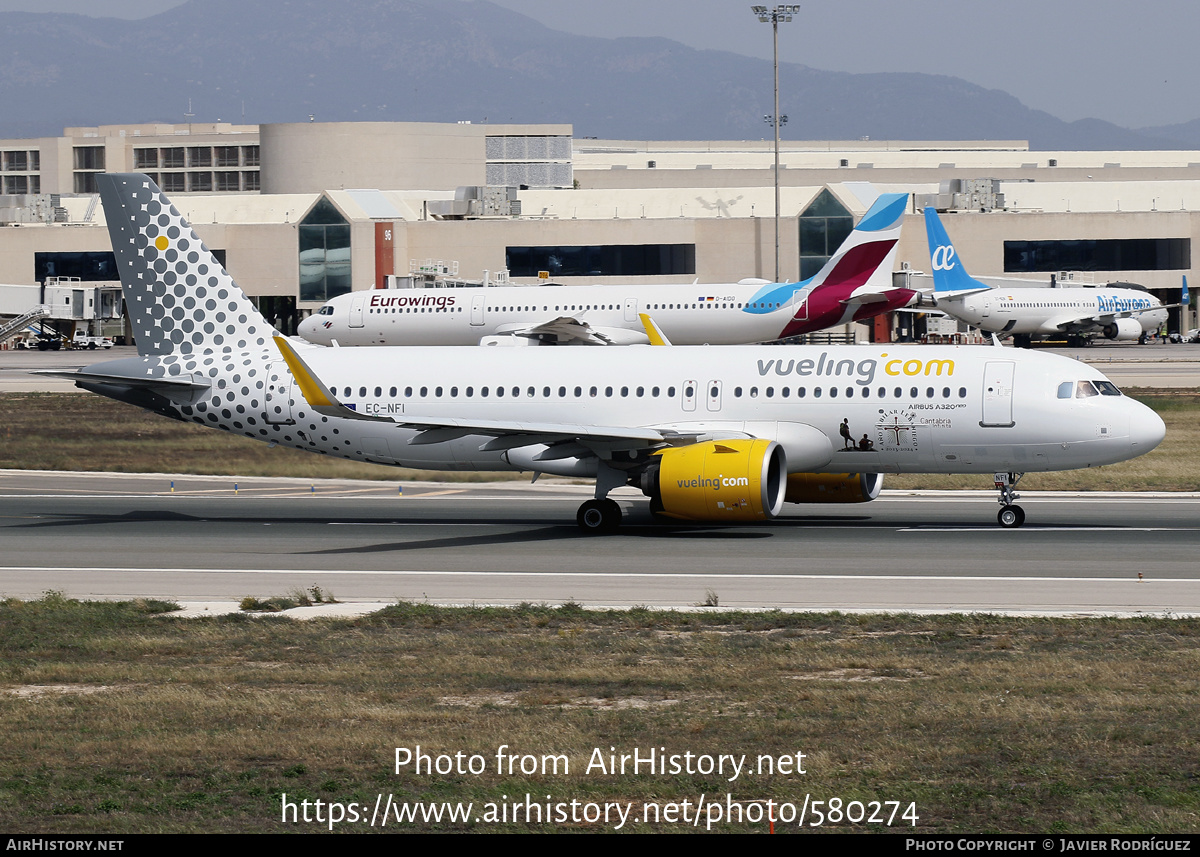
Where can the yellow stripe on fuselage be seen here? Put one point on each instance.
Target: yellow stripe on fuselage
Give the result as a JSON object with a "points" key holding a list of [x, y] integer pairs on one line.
{"points": [[314, 392]]}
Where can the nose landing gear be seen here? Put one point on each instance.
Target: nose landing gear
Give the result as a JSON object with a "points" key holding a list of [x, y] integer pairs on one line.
{"points": [[1010, 515]]}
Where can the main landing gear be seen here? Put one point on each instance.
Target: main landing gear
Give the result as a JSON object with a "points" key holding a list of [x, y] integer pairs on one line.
{"points": [[1010, 516], [599, 516], [602, 515]]}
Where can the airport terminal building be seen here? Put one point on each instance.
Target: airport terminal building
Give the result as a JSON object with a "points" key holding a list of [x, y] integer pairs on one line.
{"points": [[302, 212]]}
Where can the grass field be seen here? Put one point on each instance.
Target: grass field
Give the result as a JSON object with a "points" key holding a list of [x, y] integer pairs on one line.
{"points": [[76, 431], [118, 720]]}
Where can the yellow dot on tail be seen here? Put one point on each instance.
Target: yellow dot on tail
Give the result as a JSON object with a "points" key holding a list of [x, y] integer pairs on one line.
{"points": [[161, 242]]}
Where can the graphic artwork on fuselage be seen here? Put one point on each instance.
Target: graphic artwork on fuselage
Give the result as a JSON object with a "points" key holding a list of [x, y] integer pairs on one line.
{"points": [[896, 431]]}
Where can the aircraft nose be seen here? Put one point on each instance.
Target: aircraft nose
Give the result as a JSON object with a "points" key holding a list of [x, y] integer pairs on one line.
{"points": [[1146, 429]]}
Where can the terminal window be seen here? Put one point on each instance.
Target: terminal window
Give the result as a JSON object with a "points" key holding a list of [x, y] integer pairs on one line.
{"points": [[324, 237], [824, 225], [1113, 254]]}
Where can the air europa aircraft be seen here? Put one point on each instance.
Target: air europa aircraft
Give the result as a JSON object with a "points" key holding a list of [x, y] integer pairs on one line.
{"points": [[1030, 313], [709, 434], [855, 284]]}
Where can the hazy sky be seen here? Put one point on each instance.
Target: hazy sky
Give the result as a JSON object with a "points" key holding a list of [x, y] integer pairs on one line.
{"points": [[1135, 64]]}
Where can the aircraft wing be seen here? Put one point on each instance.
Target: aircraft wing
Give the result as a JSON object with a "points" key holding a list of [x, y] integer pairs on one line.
{"points": [[509, 435], [567, 330]]}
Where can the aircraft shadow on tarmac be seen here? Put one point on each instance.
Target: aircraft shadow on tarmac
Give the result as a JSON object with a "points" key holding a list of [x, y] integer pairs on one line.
{"points": [[637, 526]]}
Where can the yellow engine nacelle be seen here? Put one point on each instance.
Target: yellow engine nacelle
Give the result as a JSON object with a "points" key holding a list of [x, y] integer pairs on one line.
{"points": [[833, 487], [723, 480]]}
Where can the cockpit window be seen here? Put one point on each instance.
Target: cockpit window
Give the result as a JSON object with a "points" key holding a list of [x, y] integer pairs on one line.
{"points": [[1066, 389], [1107, 388], [1084, 390], [325, 310]]}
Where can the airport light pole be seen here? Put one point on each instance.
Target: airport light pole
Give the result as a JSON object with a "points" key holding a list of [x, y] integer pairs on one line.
{"points": [[773, 17]]}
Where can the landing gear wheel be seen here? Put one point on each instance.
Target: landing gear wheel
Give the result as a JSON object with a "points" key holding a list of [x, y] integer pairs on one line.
{"points": [[1011, 517], [599, 516]]}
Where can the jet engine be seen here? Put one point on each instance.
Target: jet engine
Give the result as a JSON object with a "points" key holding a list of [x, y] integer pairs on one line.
{"points": [[721, 480], [1123, 328], [833, 487]]}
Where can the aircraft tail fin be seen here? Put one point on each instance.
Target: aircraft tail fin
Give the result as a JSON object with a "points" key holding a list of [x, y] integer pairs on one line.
{"points": [[180, 298], [949, 275], [868, 254]]}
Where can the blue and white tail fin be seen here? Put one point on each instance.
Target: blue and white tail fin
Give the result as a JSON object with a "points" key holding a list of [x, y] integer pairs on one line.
{"points": [[180, 299], [950, 278]]}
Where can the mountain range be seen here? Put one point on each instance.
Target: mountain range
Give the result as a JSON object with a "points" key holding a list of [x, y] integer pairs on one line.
{"points": [[453, 60]]}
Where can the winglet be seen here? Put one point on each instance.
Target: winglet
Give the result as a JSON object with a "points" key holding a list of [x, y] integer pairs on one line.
{"points": [[657, 337]]}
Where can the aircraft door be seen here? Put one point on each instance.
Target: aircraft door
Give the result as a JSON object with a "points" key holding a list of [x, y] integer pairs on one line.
{"points": [[278, 399], [689, 395], [998, 394], [356, 310], [800, 296], [714, 395], [631, 309], [477, 307]]}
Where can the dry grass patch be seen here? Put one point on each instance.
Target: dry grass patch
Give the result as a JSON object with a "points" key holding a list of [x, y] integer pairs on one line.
{"points": [[1068, 725]]}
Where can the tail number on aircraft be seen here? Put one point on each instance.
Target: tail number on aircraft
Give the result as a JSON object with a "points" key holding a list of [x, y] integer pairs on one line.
{"points": [[943, 258]]}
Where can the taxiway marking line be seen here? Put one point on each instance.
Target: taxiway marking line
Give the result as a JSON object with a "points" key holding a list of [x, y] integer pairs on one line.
{"points": [[605, 574]]}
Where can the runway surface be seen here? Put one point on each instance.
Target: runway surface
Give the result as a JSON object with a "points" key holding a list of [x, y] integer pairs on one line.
{"points": [[110, 536]]}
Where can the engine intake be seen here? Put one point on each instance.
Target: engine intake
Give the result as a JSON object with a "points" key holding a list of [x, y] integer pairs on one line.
{"points": [[1123, 329], [722, 480]]}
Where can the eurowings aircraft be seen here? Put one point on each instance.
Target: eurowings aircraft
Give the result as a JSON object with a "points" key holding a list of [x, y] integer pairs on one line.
{"points": [[708, 434], [1026, 314], [855, 284]]}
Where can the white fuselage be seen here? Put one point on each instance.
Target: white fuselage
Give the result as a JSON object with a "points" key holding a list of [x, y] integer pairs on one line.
{"points": [[1054, 311], [922, 409], [688, 315]]}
